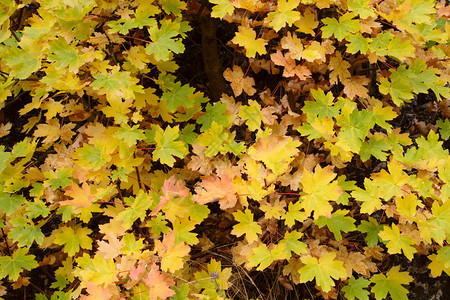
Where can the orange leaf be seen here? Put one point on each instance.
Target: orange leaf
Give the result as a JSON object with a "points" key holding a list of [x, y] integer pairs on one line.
{"points": [[239, 83], [82, 197], [159, 284], [214, 188], [172, 189]]}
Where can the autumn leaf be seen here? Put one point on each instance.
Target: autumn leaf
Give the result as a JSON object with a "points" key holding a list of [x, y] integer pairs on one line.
{"points": [[319, 189], [168, 147], [341, 28], [323, 269], [159, 283], [73, 239], [246, 225], [246, 38], [172, 254], [391, 283], [171, 189], [12, 266], [239, 82], [213, 188], [356, 289], [82, 197], [284, 14], [396, 242], [337, 222]]}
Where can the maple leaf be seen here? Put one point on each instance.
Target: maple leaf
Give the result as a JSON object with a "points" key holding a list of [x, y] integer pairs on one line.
{"points": [[10, 202], [440, 262], [246, 38], [246, 225], [25, 232], [319, 190], [284, 14], [213, 188], [444, 128], [355, 289], [292, 43], [260, 257], [337, 222], [294, 214], [159, 283], [73, 239], [252, 114], [53, 131], [164, 41], [323, 270], [137, 208], [221, 9], [372, 228], [355, 86], [323, 106], [339, 69], [276, 152], [171, 189], [23, 62], [97, 270], [239, 83], [391, 283], [216, 113], [307, 23], [340, 28], [82, 197], [12, 266], [290, 243], [357, 42], [398, 243], [172, 254], [167, 147]]}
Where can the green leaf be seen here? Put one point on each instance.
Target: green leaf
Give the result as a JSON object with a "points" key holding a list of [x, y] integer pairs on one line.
{"points": [[340, 29], [391, 283], [376, 146], [178, 95], [214, 139], [9, 202], [92, 157], [337, 223], [64, 55], [291, 243], [59, 179], [246, 225], [323, 270], [369, 196], [25, 232], [130, 135], [22, 62], [355, 289], [357, 43], [323, 106], [131, 245], [173, 6], [397, 243], [214, 113], [137, 208], [400, 49], [372, 228], [444, 128], [13, 266], [164, 41], [167, 147], [380, 43]]}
